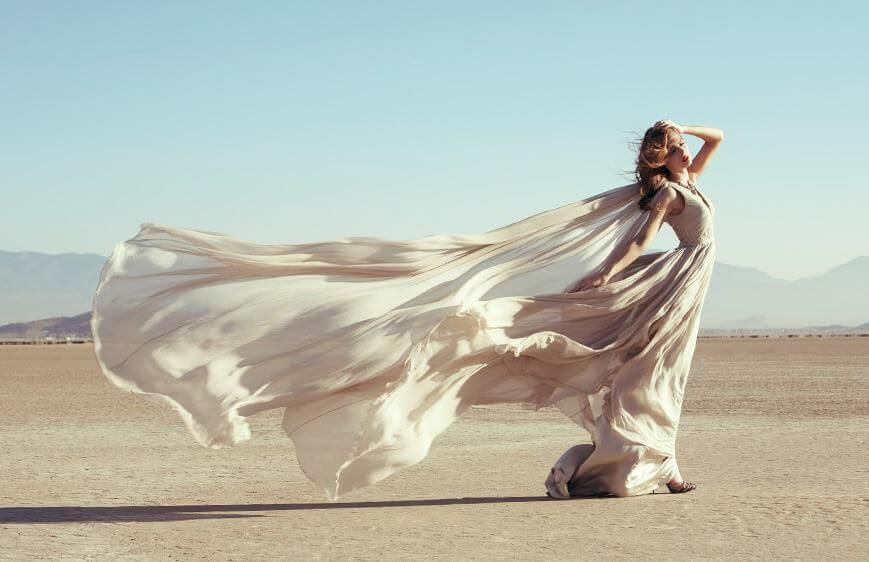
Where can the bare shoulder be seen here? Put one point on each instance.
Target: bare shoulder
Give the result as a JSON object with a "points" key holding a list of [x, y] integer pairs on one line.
{"points": [[661, 204], [669, 200], [665, 196]]}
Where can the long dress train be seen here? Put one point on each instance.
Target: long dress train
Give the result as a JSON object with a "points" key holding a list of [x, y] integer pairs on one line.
{"points": [[374, 347]]}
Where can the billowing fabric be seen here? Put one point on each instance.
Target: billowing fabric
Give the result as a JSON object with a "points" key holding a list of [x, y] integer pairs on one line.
{"points": [[374, 347]]}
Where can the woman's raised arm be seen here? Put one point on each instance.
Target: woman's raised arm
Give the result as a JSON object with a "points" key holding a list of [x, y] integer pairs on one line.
{"points": [[712, 138]]}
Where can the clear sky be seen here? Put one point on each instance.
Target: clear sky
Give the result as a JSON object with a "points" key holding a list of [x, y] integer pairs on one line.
{"points": [[285, 122]]}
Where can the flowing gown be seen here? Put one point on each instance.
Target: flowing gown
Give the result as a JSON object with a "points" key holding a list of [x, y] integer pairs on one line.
{"points": [[374, 347], [621, 464]]}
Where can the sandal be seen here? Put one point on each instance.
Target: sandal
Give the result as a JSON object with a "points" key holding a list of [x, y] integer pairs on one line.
{"points": [[681, 488]]}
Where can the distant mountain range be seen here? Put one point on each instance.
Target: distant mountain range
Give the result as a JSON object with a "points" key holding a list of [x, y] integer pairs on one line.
{"points": [[74, 326], [54, 290], [744, 297], [34, 285]]}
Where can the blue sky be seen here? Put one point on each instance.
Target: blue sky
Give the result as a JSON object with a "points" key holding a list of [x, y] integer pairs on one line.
{"points": [[286, 122]]}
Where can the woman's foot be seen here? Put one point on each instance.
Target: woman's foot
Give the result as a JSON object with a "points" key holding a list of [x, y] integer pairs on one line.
{"points": [[681, 487]]}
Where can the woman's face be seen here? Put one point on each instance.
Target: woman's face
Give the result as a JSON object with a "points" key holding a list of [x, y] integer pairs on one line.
{"points": [[678, 157]]}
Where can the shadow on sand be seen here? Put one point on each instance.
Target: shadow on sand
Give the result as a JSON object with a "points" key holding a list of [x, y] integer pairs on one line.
{"points": [[156, 513]]}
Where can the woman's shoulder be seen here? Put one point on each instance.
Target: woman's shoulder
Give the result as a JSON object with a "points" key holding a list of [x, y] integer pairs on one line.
{"points": [[663, 198], [668, 190]]}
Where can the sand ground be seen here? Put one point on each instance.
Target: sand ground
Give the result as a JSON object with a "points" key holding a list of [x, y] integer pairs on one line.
{"points": [[774, 432]]}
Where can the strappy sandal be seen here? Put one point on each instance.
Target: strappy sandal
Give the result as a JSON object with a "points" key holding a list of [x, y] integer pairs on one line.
{"points": [[681, 488]]}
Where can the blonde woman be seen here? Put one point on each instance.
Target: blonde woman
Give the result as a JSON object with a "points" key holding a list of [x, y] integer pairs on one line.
{"points": [[637, 461]]}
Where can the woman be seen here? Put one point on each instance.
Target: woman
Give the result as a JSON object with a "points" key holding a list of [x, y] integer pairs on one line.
{"points": [[619, 463], [373, 347]]}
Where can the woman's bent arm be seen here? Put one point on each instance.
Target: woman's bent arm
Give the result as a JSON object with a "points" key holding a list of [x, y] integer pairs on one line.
{"points": [[712, 138], [709, 134], [625, 255]]}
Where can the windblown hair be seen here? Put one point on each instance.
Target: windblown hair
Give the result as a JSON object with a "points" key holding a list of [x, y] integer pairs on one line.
{"points": [[650, 172]]}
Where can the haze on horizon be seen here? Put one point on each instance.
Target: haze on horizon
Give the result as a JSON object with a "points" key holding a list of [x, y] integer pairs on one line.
{"points": [[293, 122]]}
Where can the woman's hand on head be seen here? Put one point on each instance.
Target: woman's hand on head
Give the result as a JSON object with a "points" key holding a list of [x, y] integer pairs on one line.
{"points": [[593, 280], [669, 123]]}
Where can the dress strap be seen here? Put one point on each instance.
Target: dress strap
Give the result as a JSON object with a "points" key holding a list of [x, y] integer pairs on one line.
{"points": [[689, 187]]}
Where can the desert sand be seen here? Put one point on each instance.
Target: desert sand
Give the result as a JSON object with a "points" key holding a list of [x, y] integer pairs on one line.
{"points": [[775, 432]]}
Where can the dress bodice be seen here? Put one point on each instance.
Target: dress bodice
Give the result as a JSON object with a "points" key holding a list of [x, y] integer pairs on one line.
{"points": [[694, 224]]}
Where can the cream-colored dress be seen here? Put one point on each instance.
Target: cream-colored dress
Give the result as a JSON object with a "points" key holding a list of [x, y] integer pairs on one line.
{"points": [[373, 347], [628, 463]]}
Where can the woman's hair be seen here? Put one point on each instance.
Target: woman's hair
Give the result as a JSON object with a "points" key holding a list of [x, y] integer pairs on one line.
{"points": [[652, 153]]}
